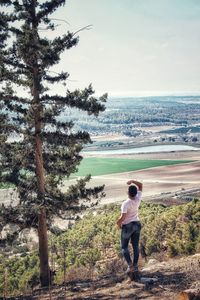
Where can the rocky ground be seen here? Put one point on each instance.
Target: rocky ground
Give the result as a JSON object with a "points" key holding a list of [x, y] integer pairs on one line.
{"points": [[166, 280]]}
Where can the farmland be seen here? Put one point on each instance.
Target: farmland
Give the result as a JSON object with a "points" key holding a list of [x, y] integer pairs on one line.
{"points": [[102, 166], [164, 175]]}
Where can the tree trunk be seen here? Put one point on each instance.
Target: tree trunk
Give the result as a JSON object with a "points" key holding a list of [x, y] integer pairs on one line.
{"points": [[43, 249], [42, 222]]}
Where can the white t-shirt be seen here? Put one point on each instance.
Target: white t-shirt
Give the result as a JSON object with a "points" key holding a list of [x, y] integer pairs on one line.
{"points": [[130, 207]]}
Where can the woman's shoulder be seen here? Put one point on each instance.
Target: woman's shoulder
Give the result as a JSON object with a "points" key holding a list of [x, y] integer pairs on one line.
{"points": [[139, 195]]}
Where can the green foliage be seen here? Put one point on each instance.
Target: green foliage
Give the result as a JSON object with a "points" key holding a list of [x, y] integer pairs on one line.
{"points": [[37, 148], [18, 274], [101, 166], [129, 116], [6, 185], [174, 230], [177, 227], [87, 240]]}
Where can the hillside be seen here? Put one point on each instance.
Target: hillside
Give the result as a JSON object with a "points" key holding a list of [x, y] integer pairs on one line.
{"points": [[168, 280], [87, 257]]}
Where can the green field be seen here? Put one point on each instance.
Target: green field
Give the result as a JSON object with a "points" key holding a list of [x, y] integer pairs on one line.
{"points": [[101, 166]]}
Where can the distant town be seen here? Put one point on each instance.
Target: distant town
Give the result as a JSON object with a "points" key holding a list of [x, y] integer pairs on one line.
{"points": [[146, 120]]}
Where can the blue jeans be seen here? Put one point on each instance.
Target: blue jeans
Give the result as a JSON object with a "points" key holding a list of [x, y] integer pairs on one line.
{"points": [[130, 232]]}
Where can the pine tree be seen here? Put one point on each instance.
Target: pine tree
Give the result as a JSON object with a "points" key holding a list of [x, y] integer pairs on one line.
{"points": [[44, 148]]}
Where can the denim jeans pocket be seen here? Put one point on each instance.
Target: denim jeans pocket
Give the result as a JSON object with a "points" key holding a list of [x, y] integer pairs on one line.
{"points": [[137, 226], [129, 229], [125, 232]]}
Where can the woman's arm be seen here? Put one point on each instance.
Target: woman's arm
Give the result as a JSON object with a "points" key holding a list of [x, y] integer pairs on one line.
{"points": [[137, 183], [121, 219]]}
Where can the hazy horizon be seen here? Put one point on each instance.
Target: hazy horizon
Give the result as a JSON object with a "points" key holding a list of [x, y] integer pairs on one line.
{"points": [[152, 94]]}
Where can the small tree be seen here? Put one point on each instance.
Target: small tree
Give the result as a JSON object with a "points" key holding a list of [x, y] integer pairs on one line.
{"points": [[45, 149]]}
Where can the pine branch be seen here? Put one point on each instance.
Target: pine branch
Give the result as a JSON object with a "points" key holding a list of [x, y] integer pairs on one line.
{"points": [[16, 64], [62, 139], [50, 50], [79, 99], [77, 198], [48, 8], [53, 79], [21, 216], [65, 165], [5, 2]]}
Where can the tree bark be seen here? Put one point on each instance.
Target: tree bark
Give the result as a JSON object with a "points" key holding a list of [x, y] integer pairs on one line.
{"points": [[43, 249], [42, 222]]}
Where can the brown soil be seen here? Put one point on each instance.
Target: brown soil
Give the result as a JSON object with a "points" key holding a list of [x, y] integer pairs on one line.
{"points": [[163, 182], [172, 277], [159, 183]]}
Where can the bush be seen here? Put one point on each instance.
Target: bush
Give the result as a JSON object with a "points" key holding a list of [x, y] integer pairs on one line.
{"points": [[173, 249], [93, 243]]}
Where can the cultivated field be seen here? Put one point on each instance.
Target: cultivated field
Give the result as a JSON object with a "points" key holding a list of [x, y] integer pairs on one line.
{"points": [[165, 180], [161, 182], [101, 166]]}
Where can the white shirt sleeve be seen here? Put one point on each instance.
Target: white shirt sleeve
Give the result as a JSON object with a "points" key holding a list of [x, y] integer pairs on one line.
{"points": [[139, 195]]}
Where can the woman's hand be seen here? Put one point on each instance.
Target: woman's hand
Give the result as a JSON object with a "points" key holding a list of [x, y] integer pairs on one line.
{"points": [[129, 182]]}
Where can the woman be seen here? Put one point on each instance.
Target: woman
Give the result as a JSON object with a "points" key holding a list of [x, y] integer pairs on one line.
{"points": [[130, 225]]}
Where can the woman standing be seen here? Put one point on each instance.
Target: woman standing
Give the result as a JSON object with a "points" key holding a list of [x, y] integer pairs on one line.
{"points": [[130, 225]]}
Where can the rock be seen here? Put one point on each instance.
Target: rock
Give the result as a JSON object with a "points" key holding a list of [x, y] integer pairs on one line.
{"points": [[193, 294], [197, 255], [153, 265], [148, 282], [152, 262]]}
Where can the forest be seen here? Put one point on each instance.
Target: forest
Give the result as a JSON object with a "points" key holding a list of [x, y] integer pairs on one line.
{"points": [[132, 114]]}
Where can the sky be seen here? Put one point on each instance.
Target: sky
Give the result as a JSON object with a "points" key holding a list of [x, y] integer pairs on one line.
{"points": [[135, 47]]}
